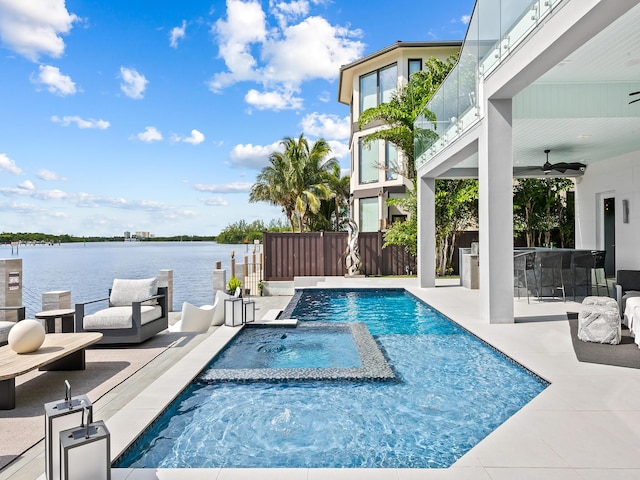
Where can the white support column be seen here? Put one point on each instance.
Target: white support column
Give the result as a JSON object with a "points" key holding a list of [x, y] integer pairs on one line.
{"points": [[495, 176], [426, 232]]}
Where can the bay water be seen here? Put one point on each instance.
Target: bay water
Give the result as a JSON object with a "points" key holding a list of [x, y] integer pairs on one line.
{"points": [[88, 269]]}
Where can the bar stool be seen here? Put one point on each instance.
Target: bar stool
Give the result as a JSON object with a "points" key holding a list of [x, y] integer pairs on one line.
{"points": [[588, 262], [522, 264], [598, 267], [556, 263]]}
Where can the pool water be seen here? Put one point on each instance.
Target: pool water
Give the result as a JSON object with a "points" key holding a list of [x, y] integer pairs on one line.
{"points": [[286, 347], [452, 391]]}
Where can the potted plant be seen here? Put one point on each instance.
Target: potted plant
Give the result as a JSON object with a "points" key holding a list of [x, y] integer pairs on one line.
{"points": [[232, 284], [260, 287]]}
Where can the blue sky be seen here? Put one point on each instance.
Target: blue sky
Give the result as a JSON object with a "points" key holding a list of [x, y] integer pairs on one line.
{"points": [[152, 115]]}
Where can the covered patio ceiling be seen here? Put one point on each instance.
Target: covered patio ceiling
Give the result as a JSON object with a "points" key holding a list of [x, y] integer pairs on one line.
{"points": [[580, 108]]}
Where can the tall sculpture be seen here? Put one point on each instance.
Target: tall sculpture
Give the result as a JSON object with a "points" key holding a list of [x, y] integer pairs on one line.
{"points": [[352, 259]]}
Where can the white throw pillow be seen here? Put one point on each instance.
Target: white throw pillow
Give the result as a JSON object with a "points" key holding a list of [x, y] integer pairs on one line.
{"points": [[125, 292]]}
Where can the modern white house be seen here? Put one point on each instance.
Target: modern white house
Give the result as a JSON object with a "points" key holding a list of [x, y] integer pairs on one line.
{"points": [[539, 75], [367, 83]]}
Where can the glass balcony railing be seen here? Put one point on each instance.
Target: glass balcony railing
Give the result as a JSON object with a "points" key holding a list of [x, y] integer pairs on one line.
{"points": [[495, 29]]}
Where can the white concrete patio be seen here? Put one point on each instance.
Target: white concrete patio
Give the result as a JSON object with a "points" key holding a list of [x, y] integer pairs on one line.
{"points": [[583, 426]]}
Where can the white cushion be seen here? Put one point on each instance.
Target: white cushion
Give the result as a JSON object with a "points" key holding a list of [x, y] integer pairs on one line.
{"points": [[120, 317], [218, 314], [125, 292], [4, 330]]}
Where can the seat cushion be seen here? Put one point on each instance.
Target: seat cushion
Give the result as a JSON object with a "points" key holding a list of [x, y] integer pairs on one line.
{"points": [[4, 331], [119, 317], [627, 295], [124, 292]]}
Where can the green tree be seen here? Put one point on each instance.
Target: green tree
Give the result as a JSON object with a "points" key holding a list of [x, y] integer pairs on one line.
{"points": [[241, 231], [404, 108], [400, 114], [296, 179], [404, 233], [540, 208], [456, 211], [334, 211]]}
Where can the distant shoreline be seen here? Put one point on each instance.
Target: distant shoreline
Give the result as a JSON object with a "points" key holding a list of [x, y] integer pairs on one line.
{"points": [[47, 239]]}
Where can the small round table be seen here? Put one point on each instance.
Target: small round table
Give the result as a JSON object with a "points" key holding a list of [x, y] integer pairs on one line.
{"points": [[66, 315]]}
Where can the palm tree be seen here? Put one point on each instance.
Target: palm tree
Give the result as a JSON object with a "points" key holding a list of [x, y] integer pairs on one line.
{"points": [[334, 211], [296, 179], [404, 108]]}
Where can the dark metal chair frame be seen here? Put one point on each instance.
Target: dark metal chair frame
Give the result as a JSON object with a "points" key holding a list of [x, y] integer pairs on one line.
{"points": [[523, 263]]}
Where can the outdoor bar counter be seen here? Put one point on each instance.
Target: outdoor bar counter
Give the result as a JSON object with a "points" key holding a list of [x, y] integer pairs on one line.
{"points": [[549, 270]]}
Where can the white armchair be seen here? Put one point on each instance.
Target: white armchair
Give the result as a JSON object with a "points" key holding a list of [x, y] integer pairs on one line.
{"points": [[137, 310]]}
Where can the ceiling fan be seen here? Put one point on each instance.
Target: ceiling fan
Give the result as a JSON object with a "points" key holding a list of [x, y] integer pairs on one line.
{"points": [[561, 167], [636, 100]]}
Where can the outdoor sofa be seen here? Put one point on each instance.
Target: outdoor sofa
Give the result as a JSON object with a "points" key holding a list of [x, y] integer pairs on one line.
{"points": [[5, 325], [137, 310]]}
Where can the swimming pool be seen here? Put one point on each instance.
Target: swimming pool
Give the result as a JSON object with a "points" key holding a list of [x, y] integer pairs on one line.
{"points": [[452, 391]]}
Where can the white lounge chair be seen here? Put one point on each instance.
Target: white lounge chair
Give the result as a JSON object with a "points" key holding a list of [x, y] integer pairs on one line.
{"points": [[137, 310], [194, 319]]}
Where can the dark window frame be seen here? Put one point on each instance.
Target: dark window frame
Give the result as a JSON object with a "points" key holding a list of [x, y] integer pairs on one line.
{"points": [[378, 90], [409, 61]]}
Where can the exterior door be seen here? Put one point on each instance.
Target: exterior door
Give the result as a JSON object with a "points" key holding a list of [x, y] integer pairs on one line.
{"points": [[609, 217]]}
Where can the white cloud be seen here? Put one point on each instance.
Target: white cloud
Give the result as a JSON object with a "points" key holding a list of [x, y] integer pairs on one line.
{"points": [[81, 122], [150, 134], [283, 57], [196, 138], [324, 97], [327, 126], [339, 150], [245, 25], [177, 33], [216, 201], [48, 175], [465, 19], [39, 194], [33, 28], [253, 156], [27, 185], [55, 81], [285, 12], [274, 100], [311, 49], [133, 83], [234, 187], [9, 165]]}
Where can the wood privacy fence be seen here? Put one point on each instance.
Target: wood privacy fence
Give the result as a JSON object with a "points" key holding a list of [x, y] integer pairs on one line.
{"points": [[322, 254]]}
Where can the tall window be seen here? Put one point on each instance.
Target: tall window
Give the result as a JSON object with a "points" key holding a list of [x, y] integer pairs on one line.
{"points": [[391, 161], [377, 87], [368, 214], [415, 65], [369, 159], [368, 91]]}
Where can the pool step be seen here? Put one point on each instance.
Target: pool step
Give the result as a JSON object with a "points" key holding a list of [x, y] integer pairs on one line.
{"points": [[272, 314], [281, 322]]}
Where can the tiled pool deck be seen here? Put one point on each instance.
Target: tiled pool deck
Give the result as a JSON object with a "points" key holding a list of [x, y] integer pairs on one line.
{"points": [[585, 425]]}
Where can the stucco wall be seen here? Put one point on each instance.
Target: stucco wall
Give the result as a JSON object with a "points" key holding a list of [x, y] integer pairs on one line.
{"points": [[618, 177]]}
